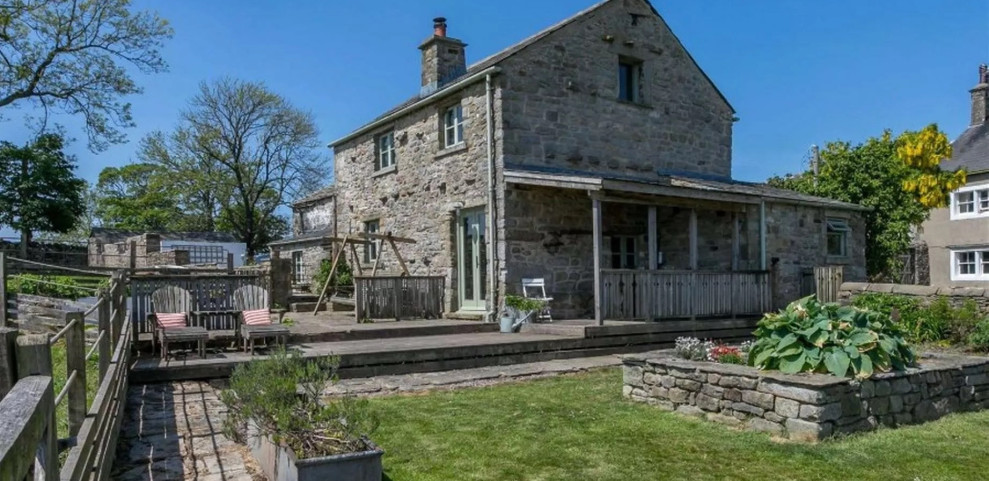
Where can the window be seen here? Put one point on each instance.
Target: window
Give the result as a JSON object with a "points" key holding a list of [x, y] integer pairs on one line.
{"points": [[453, 126], [371, 247], [970, 202], [629, 72], [203, 254], [298, 270], [385, 151], [838, 237], [622, 252], [970, 264]]}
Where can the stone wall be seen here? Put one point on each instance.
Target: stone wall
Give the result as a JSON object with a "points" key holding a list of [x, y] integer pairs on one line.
{"points": [[956, 296], [561, 106], [147, 253], [807, 407], [421, 196]]}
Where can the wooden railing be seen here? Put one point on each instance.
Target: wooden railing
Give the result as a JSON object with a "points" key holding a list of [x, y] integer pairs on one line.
{"points": [[659, 294], [29, 448], [399, 297]]}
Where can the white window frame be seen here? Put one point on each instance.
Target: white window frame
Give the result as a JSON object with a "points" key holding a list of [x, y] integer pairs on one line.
{"points": [[976, 206], [385, 151], [979, 259], [372, 247], [839, 226], [453, 126]]}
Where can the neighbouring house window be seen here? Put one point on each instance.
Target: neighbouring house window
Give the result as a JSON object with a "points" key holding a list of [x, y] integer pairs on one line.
{"points": [[970, 265], [629, 72], [838, 231], [971, 202], [622, 252], [453, 126], [385, 157], [371, 248], [298, 270]]}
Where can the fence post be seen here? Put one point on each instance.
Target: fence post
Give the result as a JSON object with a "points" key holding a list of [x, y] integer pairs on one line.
{"points": [[8, 367], [34, 358], [3, 289], [75, 360], [118, 306], [103, 313], [133, 254]]}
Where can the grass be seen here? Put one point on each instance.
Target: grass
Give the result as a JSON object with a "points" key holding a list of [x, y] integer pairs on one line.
{"points": [[59, 376], [580, 428]]}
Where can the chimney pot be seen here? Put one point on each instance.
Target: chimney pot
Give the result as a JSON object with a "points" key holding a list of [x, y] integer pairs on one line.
{"points": [[439, 26], [983, 74]]}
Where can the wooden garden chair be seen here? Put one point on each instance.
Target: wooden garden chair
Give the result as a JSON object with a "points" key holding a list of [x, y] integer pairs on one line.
{"points": [[254, 318], [535, 288], [172, 307]]}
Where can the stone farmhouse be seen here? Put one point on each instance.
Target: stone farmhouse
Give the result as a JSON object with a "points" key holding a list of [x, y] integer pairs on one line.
{"points": [[957, 237], [596, 155]]}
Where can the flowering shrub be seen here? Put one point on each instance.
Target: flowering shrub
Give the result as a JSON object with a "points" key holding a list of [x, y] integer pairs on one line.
{"points": [[692, 349], [725, 354]]}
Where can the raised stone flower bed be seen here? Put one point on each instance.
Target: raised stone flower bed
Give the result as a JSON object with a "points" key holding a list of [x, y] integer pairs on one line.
{"points": [[807, 407]]}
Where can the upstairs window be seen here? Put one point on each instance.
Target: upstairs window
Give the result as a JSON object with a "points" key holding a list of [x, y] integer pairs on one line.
{"points": [[972, 202], [629, 72], [385, 157], [371, 247], [453, 126], [838, 231]]}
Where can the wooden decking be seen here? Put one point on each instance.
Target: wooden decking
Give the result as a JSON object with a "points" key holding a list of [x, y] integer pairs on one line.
{"points": [[427, 353]]}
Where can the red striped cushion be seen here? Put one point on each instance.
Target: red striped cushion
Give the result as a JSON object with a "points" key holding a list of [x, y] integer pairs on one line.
{"points": [[168, 320], [259, 317]]}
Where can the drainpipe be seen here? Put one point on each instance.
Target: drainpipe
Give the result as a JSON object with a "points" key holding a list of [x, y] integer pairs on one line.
{"points": [[492, 313]]}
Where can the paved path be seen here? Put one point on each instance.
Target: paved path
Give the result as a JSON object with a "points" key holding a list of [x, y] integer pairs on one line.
{"points": [[173, 431]]}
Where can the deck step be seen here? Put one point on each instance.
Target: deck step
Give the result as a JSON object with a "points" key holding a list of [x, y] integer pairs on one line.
{"points": [[390, 330], [404, 355]]}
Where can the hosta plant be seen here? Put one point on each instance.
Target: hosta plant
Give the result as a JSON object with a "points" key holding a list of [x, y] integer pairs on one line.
{"points": [[809, 336]]}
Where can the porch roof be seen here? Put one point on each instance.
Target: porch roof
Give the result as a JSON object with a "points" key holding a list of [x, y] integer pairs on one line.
{"points": [[673, 185]]}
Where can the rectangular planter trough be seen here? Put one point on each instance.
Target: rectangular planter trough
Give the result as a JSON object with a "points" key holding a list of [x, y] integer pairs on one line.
{"points": [[280, 464]]}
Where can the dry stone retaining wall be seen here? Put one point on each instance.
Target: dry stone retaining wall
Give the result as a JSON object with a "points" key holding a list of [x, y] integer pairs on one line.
{"points": [[807, 407], [956, 296]]}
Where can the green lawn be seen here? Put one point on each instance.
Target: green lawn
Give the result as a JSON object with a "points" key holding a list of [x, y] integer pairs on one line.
{"points": [[59, 377], [580, 428]]}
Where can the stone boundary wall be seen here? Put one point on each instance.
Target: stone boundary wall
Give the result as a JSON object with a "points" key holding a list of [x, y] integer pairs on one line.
{"points": [[807, 407], [955, 295]]}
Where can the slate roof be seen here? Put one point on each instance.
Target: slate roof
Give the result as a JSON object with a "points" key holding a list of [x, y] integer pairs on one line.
{"points": [[107, 235], [493, 60], [970, 150]]}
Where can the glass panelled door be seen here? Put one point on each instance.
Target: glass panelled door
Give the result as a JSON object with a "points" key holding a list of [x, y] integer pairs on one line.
{"points": [[472, 259]]}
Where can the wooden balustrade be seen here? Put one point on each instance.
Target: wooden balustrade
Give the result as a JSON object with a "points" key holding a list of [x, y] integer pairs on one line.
{"points": [[399, 297], [660, 294]]}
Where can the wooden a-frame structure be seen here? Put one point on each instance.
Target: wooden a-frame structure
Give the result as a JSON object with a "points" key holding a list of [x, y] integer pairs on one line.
{"points": [[341, 245]]}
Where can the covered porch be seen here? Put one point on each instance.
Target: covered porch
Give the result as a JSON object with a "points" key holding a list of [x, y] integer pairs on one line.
{"points": [[669, 250]]}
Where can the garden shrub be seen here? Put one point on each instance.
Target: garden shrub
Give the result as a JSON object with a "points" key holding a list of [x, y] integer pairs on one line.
{"points": [[937, 322], [62, 287], [809, 336], [342, 277], [281, 395], [978, 339]]}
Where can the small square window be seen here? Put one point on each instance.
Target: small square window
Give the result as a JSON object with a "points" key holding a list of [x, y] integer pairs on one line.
{"points": [[371, 247], [965, 262], [385, 151], [837, 237], [629, 72], [453, 126], [983, 200], [965, 202]]}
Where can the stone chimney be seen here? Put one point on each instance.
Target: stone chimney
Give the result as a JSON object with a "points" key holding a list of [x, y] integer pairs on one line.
{"points": [[980, 97], [443, 58]]}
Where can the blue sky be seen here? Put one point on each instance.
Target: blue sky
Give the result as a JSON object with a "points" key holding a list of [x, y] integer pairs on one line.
{"points": [[797, 72]]}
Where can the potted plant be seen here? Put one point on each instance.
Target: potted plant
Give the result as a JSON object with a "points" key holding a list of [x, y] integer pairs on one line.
{"points": [[519, 310], [276, 408]]}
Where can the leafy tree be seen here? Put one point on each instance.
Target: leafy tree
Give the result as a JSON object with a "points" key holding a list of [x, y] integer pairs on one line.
{"points": [[39, 190], [137, 197], [259, 152], [69, 56], [898, 178]]}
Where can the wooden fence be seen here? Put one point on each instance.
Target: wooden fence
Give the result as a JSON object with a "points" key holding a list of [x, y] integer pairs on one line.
{"points": [[659, 294], [213, 292], [29, 448], [827, 282], [399, 297]]}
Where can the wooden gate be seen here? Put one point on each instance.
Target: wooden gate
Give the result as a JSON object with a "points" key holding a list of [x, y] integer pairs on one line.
{"points": [[827, 282]]}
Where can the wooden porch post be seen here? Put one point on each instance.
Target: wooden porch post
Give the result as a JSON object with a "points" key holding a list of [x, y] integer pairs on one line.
{"points": [[735, 246], [762, 234], [692, 230], [653, 242], [596, 229]]}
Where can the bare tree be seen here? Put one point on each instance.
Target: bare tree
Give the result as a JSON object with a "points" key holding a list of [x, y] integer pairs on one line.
{"points": [[68, 56]]}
